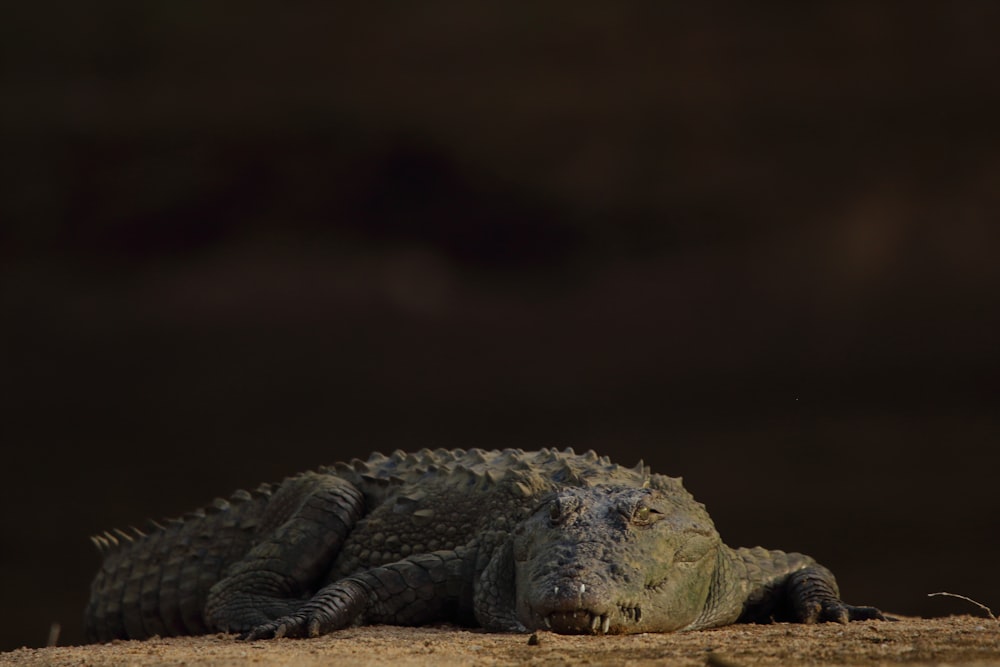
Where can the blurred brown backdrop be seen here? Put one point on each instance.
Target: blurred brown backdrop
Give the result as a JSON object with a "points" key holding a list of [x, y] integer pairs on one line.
{"points": [[754, 246]]}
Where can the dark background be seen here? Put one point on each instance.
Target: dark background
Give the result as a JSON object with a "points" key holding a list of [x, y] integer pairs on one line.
{"points": [[756, 247]]}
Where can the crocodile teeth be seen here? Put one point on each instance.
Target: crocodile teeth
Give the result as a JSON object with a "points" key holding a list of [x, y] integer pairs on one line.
{"points": [[631, 614], [600, 623], [579, 621]]}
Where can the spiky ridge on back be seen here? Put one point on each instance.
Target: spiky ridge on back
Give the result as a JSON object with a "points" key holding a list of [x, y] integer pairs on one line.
{"points": [[113, 540], [400, 476], [485, 467], [457, 467]]}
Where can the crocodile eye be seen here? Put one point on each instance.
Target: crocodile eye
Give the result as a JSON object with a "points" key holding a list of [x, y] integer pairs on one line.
{"points": [[643, 516], [555, 514]]}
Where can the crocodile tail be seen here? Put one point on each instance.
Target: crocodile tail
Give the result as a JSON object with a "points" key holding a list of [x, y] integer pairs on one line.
{"points": [[155, 582]]}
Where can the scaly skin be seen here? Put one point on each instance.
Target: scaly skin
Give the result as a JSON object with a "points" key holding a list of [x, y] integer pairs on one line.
{"points": [[508, 540]]}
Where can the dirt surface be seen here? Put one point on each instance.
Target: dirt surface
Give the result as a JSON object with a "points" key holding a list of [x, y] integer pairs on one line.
{"points": [[957, 640]]}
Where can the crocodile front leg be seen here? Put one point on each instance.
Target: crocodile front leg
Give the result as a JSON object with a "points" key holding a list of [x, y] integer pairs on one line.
{"points": [[419, 589], [302, 530], [794, 588], [496, 595]]}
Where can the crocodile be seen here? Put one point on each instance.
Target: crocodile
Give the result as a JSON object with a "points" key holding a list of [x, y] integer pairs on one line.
{"points": [[511, 541]]}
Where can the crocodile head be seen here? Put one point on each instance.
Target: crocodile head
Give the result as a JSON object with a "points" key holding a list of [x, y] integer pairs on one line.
{"points": [[610, 559]]}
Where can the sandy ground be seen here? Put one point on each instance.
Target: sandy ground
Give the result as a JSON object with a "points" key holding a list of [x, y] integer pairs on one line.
{"points": [[958, 640]]}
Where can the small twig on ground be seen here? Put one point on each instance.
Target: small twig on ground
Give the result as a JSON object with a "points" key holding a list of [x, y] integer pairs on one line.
{"points": [[54, 631], [962, 597]]}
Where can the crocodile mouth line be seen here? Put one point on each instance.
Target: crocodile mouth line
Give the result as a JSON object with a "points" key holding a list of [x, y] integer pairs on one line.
{"points": [[578, 622], [584, 621]]}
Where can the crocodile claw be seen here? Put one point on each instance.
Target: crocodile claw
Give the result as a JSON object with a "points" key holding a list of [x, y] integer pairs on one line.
{"points": [[332, 608], [815, 600]]}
